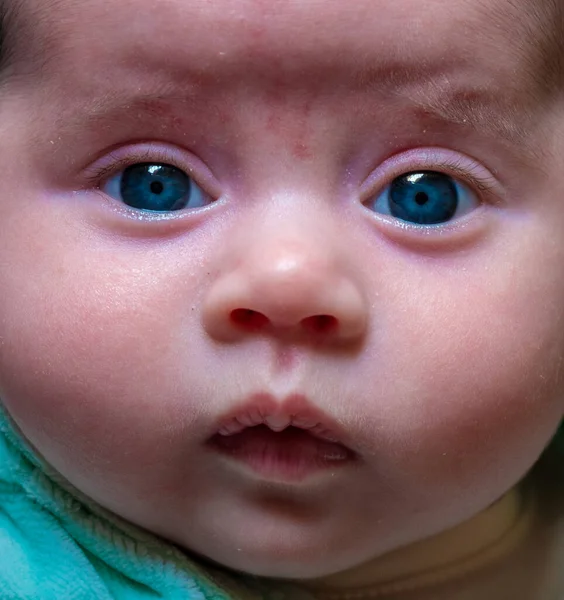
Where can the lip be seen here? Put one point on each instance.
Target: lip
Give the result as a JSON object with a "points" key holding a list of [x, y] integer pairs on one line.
{"points": [[287, 441], [294, 411]]}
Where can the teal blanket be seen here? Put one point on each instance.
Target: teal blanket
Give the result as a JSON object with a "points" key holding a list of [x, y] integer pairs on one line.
{"points": [[55, 544]]}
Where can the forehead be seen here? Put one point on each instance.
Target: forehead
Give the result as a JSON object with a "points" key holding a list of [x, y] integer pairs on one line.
{"points": [[448, 58], [290, 34], [248, 22]]}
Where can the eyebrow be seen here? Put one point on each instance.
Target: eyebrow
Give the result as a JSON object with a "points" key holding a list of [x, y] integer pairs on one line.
{"points": [[479, 112], [537, 39]]}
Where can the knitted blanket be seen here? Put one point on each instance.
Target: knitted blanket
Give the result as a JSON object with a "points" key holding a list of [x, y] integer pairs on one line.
{"points": [[56, 544]]}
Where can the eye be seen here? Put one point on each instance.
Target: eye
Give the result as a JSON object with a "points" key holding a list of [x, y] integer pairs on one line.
{"points": [[425, 198], [155, 187]]}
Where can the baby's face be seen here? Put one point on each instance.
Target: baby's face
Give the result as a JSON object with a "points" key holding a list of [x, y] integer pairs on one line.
{"points": [[207, 222]]}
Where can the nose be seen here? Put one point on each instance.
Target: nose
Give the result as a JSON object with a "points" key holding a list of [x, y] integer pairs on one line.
{"points": [[279, 284]]}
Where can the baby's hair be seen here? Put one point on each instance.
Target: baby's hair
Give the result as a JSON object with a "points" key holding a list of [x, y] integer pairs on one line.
{"points": [[537, 34], [3, 19], [19, 40], [547, 64], [7, 11], [558, 441]]}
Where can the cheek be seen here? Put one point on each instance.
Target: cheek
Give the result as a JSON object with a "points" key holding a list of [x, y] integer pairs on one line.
{"points": [[475, 388], [91, 347]]}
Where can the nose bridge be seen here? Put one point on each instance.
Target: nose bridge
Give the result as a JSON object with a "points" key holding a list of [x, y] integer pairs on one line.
{"points": [[284, 245], [287, 272]]}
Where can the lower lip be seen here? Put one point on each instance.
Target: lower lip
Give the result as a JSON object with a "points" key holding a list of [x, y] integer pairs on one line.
{"points": [[291, 455]]}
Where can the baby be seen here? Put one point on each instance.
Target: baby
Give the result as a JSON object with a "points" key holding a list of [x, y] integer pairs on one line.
{"points": [[281, 308]]}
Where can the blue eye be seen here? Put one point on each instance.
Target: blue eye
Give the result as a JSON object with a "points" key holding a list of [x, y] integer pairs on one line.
{"points": [[155, 187], [425, 198]]}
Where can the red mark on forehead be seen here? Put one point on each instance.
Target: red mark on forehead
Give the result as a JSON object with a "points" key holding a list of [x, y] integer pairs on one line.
{"points": [[301, 150], [274, 123], [301, 147], [288, 119], [164, 113]]}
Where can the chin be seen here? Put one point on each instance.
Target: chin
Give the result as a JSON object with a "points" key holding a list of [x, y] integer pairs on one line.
{"points": [[290, 566], [287, 570]]}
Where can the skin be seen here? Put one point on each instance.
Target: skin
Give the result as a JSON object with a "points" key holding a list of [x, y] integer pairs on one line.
{"points": [[118, 355]]}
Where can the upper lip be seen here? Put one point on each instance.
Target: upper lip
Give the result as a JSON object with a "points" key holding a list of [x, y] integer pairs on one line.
{"points": [[293, 411]]}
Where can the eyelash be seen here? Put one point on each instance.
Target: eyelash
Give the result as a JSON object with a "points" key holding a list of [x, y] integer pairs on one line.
{"points": [[465, 169], [485, 185], [116, 161]]}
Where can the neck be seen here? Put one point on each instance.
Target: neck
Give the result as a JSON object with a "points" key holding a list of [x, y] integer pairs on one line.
{"points": [[481, 540]]}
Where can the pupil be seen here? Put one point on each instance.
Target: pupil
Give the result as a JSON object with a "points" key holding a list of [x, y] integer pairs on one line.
{"points": [[157, 187], [421, 198]]}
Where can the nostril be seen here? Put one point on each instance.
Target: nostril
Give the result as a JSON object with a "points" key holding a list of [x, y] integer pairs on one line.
{"points": [[320, 323], [250, 319]]}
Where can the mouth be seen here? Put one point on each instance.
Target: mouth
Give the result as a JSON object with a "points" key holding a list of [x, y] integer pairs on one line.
{"points": [[287, 442]]}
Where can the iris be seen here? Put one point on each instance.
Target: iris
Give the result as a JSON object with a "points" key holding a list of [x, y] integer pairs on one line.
{"points": [[155, 187], [425, 198]]}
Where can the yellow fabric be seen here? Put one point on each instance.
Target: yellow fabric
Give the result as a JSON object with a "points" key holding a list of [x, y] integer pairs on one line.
{"points": [[483, 539]]}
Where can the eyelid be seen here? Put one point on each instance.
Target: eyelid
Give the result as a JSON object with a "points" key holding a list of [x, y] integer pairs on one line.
{"points": [[126, 156], [451, 163]]}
